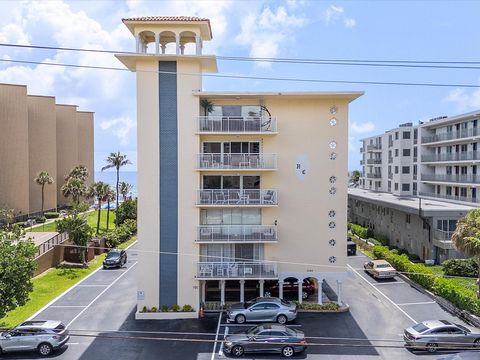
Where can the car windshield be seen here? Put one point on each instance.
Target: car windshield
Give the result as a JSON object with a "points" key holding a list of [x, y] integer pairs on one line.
{"points": [[247, 304], [463, 328], [290, 332], [382, 266], [113, 254], [420, 328]]}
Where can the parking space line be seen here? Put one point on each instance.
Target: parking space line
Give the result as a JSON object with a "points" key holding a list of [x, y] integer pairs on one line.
{"points": [[93, 285], [67, 306], [216, 335], [418, 303], [252, 325], [98, 296], [220, 352], [385, 296], [390, 283]]}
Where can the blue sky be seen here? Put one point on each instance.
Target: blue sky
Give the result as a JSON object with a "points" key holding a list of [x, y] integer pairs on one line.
{"points": [[370, 30]]}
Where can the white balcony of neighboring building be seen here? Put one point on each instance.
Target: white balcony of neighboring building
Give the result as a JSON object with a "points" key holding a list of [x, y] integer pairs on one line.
{"points": [[227, 161], [237, 198], [456, 179], [451, 157], [237, 270], [216, 234], [374, 147], [443, 239], [237, 125], [451, 136], [455, 198]]}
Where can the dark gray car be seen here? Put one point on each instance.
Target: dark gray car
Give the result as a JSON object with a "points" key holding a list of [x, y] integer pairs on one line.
{"points": [[432, 335], [263, 309], [266, 338], [42, 336]]}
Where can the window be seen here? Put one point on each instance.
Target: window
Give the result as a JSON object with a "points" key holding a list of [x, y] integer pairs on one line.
{"points": [[406, 135], [414, 186], [449, 149], [463, 148], [406, 152], [415, 134], [463, 192], [396, 135], [448, 190], [270, 306], [405, 187], [396, 169], [474, 146], [407, 218], [405, 169], [415, 169], [396, 152], [231, 182], [463, 170], [415, 151], [449, 170], [449, 128], [396, 186]]}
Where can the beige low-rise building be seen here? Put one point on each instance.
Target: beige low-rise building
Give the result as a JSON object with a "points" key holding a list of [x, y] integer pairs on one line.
{"points": [[247, 193], [38, 135]]}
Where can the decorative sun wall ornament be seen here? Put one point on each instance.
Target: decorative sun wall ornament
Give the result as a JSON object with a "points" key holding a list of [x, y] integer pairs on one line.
{"points": [[332, 242], [332, 259], [332, 225], [331, 213], [333, 110], [333, 122], [333, 156], [332, 191], [332, 179], [332, 144]]}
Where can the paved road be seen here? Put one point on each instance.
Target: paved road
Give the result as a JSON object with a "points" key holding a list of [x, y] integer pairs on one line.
{"points": [[106, 301]]}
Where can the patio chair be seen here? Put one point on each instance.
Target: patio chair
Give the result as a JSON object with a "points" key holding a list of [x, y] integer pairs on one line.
{"points": [[219, 197], [269, 197], [206, 270]]}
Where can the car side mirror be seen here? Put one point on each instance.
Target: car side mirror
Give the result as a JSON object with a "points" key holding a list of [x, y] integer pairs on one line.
{"points": [[8, 336]]}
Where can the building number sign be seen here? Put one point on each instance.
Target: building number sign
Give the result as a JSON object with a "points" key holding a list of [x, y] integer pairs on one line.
{"points": [[302, 166]]}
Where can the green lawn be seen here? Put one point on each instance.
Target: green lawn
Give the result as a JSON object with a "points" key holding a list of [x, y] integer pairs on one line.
{"points": [[468, 283], [92, 221], [49, 285]]}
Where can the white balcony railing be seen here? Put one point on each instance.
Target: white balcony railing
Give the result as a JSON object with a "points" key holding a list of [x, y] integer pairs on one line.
{"points": [[237, 197], [453, 178], [443, 235], [236, 233], [237, 161], [237, 124], [225, 270], [451, 135], [451, 197], [462, 156]]}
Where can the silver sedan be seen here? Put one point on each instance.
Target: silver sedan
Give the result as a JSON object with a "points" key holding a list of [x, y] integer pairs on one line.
{"points": [[263, 309], [440, 334]]}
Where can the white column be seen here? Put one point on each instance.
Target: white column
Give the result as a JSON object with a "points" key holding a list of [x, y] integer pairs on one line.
{"points": [[157, 44], [280, 289], [319, 291], [339, 292], [137, 42], [222, 292], [242, 290], [262, 283], [164, 47], [177, 44], [182, 48], [300, 291], [202, 290], [198, 45]]}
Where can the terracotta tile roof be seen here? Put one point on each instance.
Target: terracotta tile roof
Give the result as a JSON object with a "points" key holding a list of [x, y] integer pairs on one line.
{"points": [[166, 18]]}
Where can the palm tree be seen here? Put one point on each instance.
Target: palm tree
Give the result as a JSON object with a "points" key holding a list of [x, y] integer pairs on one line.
{"points": [[466, 238], [110, 196], [116, 160], [42, 179], [79, 172], [355, 177], [75, 188], [98, 190], [207, 106], [78, 231], [124, 189]]}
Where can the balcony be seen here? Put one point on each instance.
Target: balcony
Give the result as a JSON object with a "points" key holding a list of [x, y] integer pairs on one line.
{"points": [[236, 125], [452, 178], [462, 156], [237, 270], [390, 160], [374, 176], [390, 176], [451, 197], [247, 197], [237, 161], [373, 147], [443, 235], [236, 234], [443, 239], [452, 135], [362, 162], [374, 161]]}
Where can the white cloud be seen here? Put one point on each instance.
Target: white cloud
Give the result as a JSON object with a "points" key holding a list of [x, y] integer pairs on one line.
{"points": [[334, 14], [362, 128], [120, 128], [463, 99], [266, 30]]}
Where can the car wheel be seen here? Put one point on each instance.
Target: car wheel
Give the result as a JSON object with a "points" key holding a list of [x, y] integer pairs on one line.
{"points": [[240, 319], [304, 295], [282, 319], [104, 267], [45, 349], [432, 347], [476, 345], [237, 351], [288, 351], [267, 294]]}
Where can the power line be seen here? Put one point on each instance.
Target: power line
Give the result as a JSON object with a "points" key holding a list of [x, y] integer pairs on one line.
{"points": [[248, 77], [311, 61]]}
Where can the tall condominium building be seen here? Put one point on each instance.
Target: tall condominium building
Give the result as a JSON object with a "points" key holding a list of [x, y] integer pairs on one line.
{"points": [[38, 135], [436, 161], [236, 190]]}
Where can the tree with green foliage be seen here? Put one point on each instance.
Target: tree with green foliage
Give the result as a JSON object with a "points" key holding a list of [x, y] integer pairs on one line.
{"points": [[75, 188], [99, 191], [466, 238], [355, 177], [42, 179], [109, 197], [126, 211], [17, 265], [124, 189], [207, 106], [116, 160], [7, 217], [79, 232], [79, 172]]}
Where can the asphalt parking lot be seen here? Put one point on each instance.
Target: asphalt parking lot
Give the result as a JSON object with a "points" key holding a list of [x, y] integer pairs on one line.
{"points": [[100, 313]]}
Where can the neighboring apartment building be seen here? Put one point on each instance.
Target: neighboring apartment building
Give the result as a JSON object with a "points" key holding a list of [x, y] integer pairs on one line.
{"points": [[33, 138], [253, 191], [436, 160]]}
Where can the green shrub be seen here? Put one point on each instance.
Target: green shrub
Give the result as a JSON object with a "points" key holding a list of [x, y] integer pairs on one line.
{"points": [[164, 308], [175, 308], [315, 306], [458, 295], [112, 239], [22, 224], [51, 215], [144, 309], [373, 241], [360, 231], [382, 239], [121, 234], [153, 309], [130, 226], [187, 308], [40, 219], [126, 210], [460, 267]]}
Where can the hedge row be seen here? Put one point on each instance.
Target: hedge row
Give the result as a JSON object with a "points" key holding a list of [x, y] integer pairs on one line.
{"points": [[449, 289], [121, 233], [461, 267], [361, 231]]}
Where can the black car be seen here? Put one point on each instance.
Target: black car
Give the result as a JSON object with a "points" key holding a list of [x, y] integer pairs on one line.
{"points": [[266, 338], [351, 247], [115, 258]]}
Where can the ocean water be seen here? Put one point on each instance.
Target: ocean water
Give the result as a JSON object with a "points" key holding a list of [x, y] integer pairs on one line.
{"points": [[110, 177]]}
